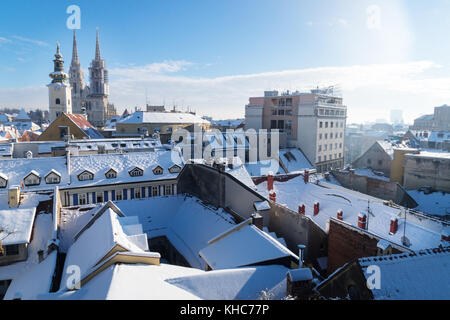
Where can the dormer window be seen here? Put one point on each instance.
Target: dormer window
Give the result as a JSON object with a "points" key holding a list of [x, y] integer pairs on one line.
{"points": [[111, 174], [158, 170], [175, 169], [3, 180], [136, 172], [53, 177], [86, 175], [32, 179]]}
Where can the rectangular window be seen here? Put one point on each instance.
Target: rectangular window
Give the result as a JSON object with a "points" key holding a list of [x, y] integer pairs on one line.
{"points": [[168, 190], [319, 159], [326, 124], [119, 195], [125, 194], [320, 124], [320, 136], [273, 124], [155, 191], [320, 147], [82, 198], [99, 198], [331, 124], [137, 193], [12, 250]]}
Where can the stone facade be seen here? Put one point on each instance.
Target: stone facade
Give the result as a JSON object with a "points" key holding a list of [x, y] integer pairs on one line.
{"points": [[427, 169]]}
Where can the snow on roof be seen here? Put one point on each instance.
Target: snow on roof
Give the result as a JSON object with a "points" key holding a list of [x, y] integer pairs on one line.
{"points": [[411, 276], [99, 164], [95, 243], [179, 218], [332, 198], [436, 203], [261, 205], [84, 125], [162, 117], [233, 123], [243, 247], [387, 147], [16, 225], [22, 115], [294, 160], [236, 284], [19, 168], [37, 280], [132, 282], [430, 155], [263, 167], [368, 172], [42, 233]]}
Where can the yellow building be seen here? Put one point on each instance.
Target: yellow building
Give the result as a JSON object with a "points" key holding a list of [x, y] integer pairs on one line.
{"points": [[74, 125], [397, 168]]}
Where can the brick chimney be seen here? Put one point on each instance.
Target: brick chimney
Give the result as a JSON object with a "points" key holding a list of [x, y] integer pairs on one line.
{"points": [[306, 176], [257, 220], [273, 196], [394, 225], [316, 208], [362, 220], [340, 214], [270, 181], [302, 209]]}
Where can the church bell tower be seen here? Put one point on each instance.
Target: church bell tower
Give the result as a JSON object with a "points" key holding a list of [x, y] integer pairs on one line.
{"points": [[59, 91]]}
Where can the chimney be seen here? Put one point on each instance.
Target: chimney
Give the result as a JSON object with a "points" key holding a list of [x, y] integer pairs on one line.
{"points": [[257, 220], [302, 209], [394, 226], [306, 176], [301, 255], [340, 215], [40, 255], [362, 220], [270, 181], [273, 196], [316, 208], [14, 196]]}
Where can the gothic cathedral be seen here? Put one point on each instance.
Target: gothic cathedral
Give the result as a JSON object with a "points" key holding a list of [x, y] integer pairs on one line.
{"points": [[90, 100]]}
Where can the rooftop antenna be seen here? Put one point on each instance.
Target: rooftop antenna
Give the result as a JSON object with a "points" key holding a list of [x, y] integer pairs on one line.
{"points": [[405, 240]]}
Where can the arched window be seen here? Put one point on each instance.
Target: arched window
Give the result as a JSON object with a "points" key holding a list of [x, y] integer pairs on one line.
{"points": [[58, 101]]}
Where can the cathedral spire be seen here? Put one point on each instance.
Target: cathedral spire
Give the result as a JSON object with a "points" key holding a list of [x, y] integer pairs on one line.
{"points": [[75, 50], [97, 49], [58, 74]]}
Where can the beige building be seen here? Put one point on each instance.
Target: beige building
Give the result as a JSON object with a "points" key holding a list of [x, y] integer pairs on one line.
{"points": [[440, 120], [427, 169], [313, 121], [144, 122]]}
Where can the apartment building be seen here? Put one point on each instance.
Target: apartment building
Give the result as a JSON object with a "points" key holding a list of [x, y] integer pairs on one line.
{"points": [[313, 121]]}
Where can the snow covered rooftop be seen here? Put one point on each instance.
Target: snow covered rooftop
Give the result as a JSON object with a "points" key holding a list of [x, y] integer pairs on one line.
{"points": [[33, 282], [435, 203], [162, 117], [132, 282], [387, 147], [412, 276], [96, 243], [430, 155], [99, 164], [250, 283], [332, 198], [244, 246], [17, 169], [294, 160], [16, 225]]}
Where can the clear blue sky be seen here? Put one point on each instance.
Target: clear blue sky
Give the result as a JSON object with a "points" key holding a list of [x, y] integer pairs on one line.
{"points": [[201, 43]]}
